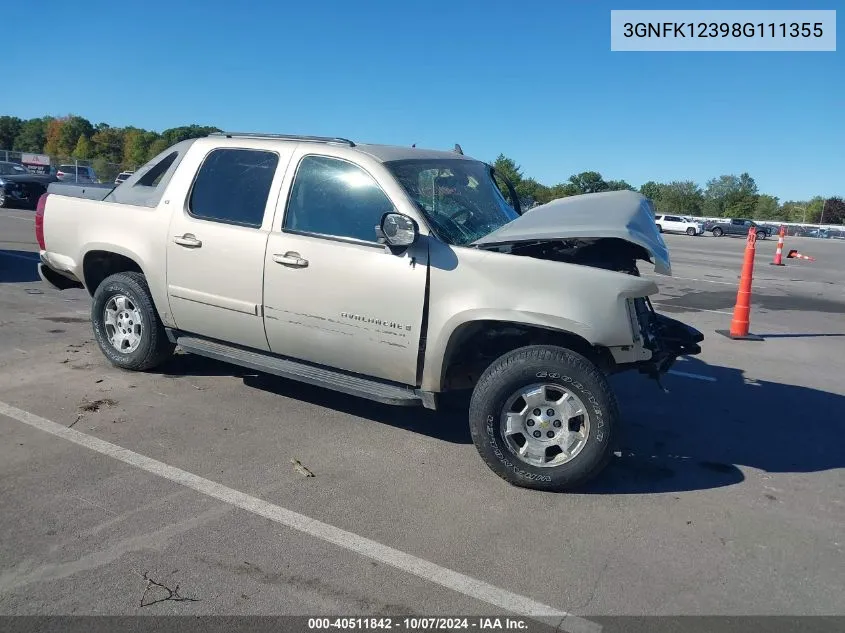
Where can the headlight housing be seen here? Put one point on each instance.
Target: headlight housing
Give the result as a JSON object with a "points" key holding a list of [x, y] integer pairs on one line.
{"points": [[633, 317], [640, 313]]}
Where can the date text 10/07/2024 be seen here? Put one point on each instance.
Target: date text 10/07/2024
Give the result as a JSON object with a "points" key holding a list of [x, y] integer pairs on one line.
{"points": [[724, 29], [418, 624]]}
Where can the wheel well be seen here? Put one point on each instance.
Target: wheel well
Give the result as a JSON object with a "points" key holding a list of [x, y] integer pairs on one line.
{"points": [[98, 265], [473, 346]]}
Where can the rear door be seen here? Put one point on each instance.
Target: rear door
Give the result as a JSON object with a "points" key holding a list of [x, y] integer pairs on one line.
{"points": [[215, 253], [673, 223], [738, 227]]}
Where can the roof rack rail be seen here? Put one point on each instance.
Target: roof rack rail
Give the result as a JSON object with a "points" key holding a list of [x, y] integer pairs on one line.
{"points": [[286, 137]]}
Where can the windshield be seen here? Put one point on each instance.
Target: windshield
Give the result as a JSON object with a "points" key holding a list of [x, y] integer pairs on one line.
{"points": [[458, 197], [10, 169]]}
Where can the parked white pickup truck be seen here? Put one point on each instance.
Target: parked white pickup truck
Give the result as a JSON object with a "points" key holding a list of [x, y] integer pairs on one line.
{"points": [[391, 273]]}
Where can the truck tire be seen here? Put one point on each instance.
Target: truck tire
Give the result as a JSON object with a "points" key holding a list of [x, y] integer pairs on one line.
{"points": [[126, 324], [544, 417]]}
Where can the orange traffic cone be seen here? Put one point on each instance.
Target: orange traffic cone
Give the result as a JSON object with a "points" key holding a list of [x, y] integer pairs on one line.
{"points": [[779, 252], [742, 309], [793, 254]]}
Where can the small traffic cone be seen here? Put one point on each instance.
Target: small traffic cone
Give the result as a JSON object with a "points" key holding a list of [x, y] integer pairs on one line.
{"points": [[742, 309], [779, 252], [793, 254]]}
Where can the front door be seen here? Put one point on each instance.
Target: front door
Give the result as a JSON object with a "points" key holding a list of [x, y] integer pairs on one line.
{"points": [[334, 295], [215, 252]]}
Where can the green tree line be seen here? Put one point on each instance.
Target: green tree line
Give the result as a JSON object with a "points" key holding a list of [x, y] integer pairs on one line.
{"points": [[108, 149], [723, 197]]}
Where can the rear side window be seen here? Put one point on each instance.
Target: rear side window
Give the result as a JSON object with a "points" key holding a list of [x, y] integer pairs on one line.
{"points": [[333, 197], [232, 186], [672, 218], [153, 176]]}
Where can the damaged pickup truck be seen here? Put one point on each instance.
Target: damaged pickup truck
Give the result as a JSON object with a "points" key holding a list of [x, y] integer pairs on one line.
{"points": [[390, 273]]}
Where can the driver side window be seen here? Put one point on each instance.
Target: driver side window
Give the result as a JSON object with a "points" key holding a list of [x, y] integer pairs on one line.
{"points": [[335, 198]]}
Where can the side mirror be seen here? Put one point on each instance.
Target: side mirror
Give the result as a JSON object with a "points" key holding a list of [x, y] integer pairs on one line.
{"points": [[397, 230]]}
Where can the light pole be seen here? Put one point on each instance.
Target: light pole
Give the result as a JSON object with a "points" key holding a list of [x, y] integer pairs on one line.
{"points": [[821, 218], [804, 209]]}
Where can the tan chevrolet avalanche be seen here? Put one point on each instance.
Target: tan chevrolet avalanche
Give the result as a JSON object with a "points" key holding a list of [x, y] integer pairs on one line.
{"points": [[396, 274]]}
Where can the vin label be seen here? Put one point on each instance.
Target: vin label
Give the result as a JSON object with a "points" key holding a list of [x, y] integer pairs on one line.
{"points": [[792, 31]]}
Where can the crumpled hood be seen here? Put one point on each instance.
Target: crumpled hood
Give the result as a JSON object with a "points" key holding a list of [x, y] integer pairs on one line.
{"points": [[625, 215]]}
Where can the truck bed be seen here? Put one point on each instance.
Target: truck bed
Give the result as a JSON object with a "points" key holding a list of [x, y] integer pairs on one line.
{"points": [[89, 191]]}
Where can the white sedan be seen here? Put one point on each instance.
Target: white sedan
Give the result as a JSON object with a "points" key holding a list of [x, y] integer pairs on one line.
{"points": [[678, 224]]}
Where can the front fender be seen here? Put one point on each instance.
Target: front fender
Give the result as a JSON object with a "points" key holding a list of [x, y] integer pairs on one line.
{"points": [[470, 285], [439, 349]]}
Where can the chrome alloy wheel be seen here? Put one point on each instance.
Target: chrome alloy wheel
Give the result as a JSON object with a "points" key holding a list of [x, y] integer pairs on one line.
{"points": [[545, 424], [123, 323]]}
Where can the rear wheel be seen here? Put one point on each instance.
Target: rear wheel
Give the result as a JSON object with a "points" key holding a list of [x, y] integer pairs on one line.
{"points": [[660, 228], [543, 417], [2, 198], [126, 324], [717, 232]]}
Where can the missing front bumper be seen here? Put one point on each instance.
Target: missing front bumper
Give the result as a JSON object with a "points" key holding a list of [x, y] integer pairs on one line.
{"points": [[666, 338]]}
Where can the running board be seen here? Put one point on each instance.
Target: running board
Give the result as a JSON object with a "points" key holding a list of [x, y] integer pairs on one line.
{"points": [[369, 388]]}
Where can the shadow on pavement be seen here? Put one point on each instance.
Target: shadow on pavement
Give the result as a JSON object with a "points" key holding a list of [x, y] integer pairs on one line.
{"points": [[449, 425], [18, 267], [183, 364], [696, 436], [693, 438]]}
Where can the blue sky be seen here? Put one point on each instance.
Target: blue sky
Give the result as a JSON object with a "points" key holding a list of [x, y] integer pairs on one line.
{"points": [[535, 80]]}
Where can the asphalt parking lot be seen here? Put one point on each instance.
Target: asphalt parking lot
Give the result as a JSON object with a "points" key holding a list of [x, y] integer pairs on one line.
{"points": [[727, 498]]}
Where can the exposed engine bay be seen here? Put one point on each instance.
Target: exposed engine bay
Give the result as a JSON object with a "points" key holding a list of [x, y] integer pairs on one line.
{"points": [[667, 338], [609, 253]]}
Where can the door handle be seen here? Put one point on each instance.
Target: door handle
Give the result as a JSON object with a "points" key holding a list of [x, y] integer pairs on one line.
{"points": [[290, 259], [188, 240]]}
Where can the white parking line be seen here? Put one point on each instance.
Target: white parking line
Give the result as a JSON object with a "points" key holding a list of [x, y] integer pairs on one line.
{"points": [[708, 281], [432, 572], [685, 374], [658, 302]]}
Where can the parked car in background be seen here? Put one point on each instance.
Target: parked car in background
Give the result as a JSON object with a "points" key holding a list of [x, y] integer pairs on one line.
{"points": [[76, 173], [19, 187], [122, 176], [738, 226], [678, 224]]}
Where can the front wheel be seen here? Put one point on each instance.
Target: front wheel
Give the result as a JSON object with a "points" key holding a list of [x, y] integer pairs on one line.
{"points": [[126, 324], [543, 417], [691, 232], [717, 232]]}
